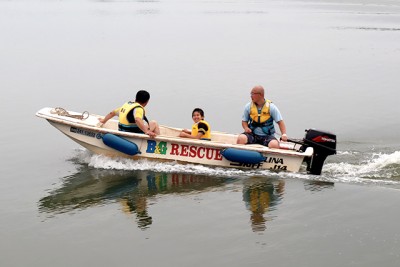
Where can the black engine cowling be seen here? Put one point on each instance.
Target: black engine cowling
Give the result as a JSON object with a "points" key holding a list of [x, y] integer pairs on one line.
{"points": [[324, 145]]}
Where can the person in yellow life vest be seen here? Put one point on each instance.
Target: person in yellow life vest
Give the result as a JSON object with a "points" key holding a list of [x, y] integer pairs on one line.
{"points": [[200, 129], [258, 121], [132, 116]]}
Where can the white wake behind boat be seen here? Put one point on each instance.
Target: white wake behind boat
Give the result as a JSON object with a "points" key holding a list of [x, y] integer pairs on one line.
{"points": [[222, 150]]}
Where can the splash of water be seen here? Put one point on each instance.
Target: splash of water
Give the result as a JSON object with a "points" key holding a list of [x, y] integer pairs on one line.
{"points": [[377, 168]]}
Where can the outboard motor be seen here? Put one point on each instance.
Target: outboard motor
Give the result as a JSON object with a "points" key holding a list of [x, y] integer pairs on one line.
{"points": [[324, 145]]}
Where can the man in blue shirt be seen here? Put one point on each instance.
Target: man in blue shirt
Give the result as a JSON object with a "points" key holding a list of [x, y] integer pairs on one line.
{"points": [[258, 121]]}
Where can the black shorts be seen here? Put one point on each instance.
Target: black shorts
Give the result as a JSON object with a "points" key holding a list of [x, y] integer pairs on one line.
{"points": [[259, 139], [131, 129]]}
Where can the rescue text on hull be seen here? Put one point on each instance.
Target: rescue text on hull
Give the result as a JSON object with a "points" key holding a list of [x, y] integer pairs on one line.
{"points": [[222, 150]]}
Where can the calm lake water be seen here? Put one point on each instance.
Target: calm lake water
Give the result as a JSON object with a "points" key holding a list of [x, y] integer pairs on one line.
{"points": [[330, 65]]}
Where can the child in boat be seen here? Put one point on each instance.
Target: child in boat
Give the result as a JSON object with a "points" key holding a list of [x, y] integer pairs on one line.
{"points": [[200, 129]]}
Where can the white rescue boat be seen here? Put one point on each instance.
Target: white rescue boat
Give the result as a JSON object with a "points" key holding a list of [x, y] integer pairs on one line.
{"points": [[221, 151]]}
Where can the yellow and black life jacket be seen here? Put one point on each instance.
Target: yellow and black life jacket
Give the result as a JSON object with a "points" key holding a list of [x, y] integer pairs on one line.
{"points": [[127, 117], [261, 118], [206, 135]]}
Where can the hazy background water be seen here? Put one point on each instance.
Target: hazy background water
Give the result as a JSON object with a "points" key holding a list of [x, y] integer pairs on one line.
{"points": [[327, 64]]}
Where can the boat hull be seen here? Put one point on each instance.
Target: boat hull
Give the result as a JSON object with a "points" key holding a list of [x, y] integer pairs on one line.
{"points": [[169, 147]]}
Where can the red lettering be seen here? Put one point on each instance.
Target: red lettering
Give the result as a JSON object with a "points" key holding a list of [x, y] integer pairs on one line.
{"points": [[218, 155], [174, 150], [184, 150], [208, 154], [193, 151], [198, 152]]}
